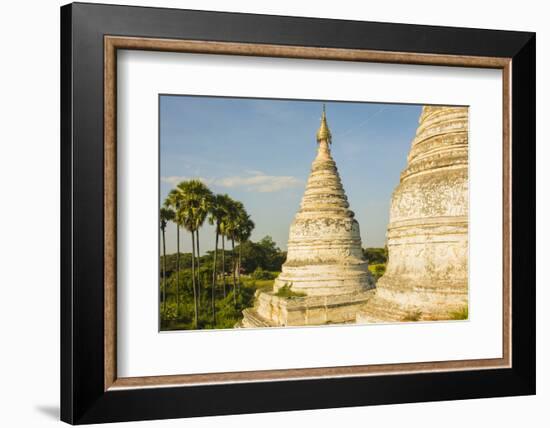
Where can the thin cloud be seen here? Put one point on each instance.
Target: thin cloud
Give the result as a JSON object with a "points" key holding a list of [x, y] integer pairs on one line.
{"points": [[259, 182], [254, 181], [175, 179]]}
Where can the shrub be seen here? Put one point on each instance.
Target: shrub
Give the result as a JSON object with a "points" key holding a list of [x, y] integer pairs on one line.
{"points": [[377, 270], [413, 316], [376, 255], [461, 314], [168, 314], [259, 273]]}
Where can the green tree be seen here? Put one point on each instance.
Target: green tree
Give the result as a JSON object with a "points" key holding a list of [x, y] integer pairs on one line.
{"points": [[375, 255], [195, 204], [230, 228], [174, 201], [201, 199], [218, 209], [226, 229], [171, 259], [274, 257], [166, 215], [264, 254], [245, 226]]}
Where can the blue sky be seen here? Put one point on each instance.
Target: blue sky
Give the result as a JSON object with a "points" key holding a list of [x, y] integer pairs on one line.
{"points": [[260, 151]]}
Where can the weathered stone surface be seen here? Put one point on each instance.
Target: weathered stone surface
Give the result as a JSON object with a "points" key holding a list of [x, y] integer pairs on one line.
{"points": [[427, 272], [324, 246], [271, 311], [324, 258]]}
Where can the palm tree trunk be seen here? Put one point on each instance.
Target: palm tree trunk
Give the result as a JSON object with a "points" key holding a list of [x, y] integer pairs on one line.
{"points": [[193, 279], [178, 272], [239, 265], [164, 270], [233, 267], [214, 276], [198, 270], [223, 266]]}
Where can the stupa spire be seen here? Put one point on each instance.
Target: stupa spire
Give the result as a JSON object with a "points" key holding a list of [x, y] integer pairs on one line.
{"points": [[324, 266], [324, 254], [323, 134]]}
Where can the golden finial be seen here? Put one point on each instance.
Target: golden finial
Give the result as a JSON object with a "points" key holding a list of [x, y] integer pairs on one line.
{"points": [[324, 133]]}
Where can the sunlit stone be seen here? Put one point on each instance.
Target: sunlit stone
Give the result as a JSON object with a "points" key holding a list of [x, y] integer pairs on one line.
{"points": [[324, 261], [427, 272]]}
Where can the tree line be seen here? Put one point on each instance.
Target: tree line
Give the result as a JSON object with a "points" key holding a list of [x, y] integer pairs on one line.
{"points": [[189, 205], [253, 255]]}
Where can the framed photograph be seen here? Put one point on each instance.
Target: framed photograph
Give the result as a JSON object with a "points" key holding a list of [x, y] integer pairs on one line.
{"points": [[266, 213]]}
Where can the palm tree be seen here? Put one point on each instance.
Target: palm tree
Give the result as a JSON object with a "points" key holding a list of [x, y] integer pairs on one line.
{"points": [[166, 215], [202, 200], [196, 199], [174, 201], [224, 208], [245, 228], [218, 209], [230, 227]]}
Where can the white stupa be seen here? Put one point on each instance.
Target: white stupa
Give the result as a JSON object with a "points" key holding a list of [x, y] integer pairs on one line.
{"points": [[324, 245], [427, 272], [325, 271]]}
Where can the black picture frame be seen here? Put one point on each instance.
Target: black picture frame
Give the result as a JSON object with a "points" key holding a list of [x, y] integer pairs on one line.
{"points": [[83, 398]]}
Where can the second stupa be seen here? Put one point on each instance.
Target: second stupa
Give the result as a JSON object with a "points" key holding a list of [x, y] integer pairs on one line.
{"points": [[325, 278]]}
